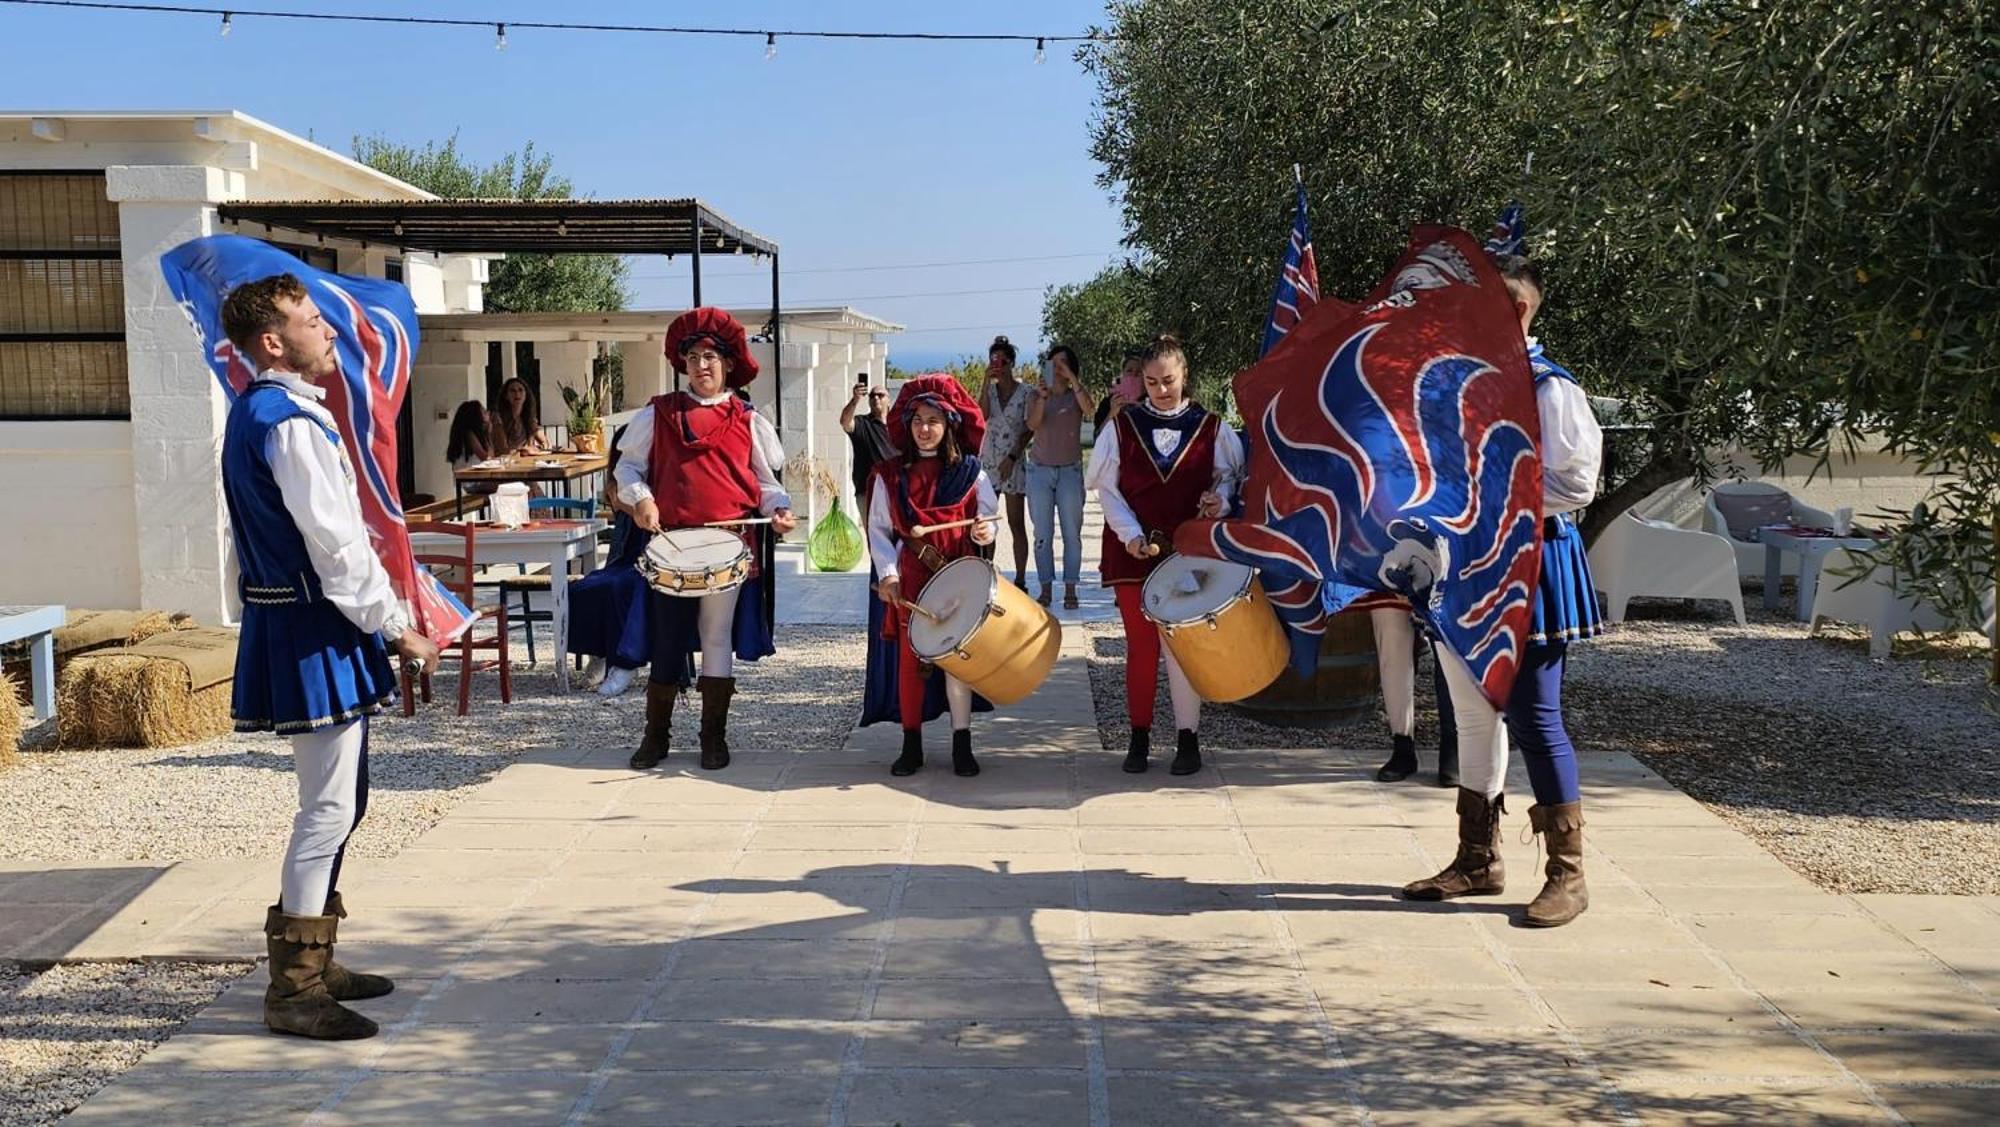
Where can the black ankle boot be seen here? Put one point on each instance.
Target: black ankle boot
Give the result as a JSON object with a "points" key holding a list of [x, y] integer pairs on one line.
{"points": [[913, 753], [1447, 763], [1138, 750], [962, 762], [1187, 754], [1402, 761]]}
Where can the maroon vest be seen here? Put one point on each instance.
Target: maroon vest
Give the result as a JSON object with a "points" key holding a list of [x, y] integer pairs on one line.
{"points": [[1160, 501]]}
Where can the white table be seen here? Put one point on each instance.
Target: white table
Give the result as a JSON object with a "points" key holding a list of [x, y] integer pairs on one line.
{"points": [[35, 625], [1812, 552], [551, 542]]}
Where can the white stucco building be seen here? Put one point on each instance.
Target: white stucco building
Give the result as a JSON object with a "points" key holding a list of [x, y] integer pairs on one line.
{"points": [[110, 422]]}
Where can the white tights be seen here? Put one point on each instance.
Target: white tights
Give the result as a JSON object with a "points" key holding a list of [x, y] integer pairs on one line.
{"points": [[1482, 738], [328, 763], [1180, 690], [716, 619], [958, 696], [1395, 659]]}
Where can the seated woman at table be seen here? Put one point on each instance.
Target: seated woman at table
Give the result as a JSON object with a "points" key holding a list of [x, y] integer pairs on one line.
{"points": [[470, 442], [517, 423], [608, 613]]}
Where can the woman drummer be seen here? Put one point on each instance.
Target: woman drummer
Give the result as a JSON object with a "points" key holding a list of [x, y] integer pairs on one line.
{"points": [[690, 459], [1166, 461], [936, 480]]}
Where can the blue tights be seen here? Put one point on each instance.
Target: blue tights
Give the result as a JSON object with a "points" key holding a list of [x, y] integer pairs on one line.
{"points": [[1534, 722]]}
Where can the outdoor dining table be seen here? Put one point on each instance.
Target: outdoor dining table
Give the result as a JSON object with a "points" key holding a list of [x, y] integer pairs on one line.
{"points": [[559, 468], [551, 542], [36, 626], [1812, 547]]}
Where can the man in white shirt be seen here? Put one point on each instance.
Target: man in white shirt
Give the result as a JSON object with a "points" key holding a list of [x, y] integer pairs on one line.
{"points": [[319, 618]]}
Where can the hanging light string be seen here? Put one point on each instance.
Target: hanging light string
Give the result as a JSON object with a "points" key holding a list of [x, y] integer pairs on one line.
{"points": [[769, 36]]}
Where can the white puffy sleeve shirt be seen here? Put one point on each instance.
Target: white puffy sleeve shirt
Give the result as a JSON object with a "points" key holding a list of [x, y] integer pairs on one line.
{"points": [[882, 547], [767, 459], [319, 492], [1102, 476], [1572, 446]]}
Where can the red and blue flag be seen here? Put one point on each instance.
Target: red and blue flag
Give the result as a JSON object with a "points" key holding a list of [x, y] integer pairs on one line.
{"points": [[1298, 279], [375, 327]]}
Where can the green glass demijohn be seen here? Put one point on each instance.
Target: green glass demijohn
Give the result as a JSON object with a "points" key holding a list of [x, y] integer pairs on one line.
{"points": [[836, 543]]}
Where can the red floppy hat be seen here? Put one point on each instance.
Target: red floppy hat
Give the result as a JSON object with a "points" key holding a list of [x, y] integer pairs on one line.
{"points": [[944, 392], [718, 328]]}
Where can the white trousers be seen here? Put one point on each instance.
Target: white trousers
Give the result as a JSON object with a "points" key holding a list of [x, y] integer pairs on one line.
{"points": [[716, 620], [958, 697], [333, 794], [1482, 738], [1395, 660], [1180, 690]]}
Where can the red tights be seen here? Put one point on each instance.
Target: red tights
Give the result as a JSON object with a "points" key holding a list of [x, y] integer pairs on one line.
{"points": [[1142, 655]]}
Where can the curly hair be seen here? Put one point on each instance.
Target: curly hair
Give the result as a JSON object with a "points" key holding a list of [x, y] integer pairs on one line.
{"points": [[251, 309]]}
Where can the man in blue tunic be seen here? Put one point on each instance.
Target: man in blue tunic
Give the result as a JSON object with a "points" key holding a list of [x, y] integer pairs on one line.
{"points": [[319, 618]]}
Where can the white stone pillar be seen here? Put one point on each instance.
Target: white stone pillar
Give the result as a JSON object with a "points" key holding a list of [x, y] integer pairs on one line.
{"points": [[446, 374], [186, 561], [646, 370], [563, 362]]}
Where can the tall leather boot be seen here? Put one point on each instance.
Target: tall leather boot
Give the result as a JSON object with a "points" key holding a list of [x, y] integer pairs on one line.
{"points": [[1476, 869], [1138, 751], [1563, 896], [962, 762], [912, 758], [659, 726], [345, 985], [298, 1001], [715, 694]]}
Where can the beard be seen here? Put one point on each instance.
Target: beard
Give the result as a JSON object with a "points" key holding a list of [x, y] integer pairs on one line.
{"points": [[310, 363]]}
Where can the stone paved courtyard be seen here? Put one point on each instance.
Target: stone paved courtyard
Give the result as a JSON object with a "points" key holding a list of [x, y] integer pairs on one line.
{"points": [[804, 939]]}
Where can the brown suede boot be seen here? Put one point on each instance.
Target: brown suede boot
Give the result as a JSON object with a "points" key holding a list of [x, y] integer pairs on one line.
{"points": [[1476, 869], [297, 1001], [345, 985], [659, 725], [1564, 897], [715, 694]]}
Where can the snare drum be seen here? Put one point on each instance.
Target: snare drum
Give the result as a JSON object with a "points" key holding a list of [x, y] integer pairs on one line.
{"points": [[985, 631], [692, 562], [1214, 617]]}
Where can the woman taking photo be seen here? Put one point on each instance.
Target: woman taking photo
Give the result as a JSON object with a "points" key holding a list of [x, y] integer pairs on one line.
{"points": [[1055, 471], [517, 424], [1004, 402]]}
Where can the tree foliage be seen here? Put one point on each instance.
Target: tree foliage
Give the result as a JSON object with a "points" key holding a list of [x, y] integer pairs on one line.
{"points": [[520, 283], [1766, 223], [1101, 319]]}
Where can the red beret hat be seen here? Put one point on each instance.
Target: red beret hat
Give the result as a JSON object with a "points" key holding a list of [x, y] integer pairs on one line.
{"points": [[718, 328], [943, 391]]}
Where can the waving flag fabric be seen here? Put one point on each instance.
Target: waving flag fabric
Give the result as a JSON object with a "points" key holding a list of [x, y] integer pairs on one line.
{"points": [[1395, 447], [375, 325], [1298, 279], [1509, 234]]}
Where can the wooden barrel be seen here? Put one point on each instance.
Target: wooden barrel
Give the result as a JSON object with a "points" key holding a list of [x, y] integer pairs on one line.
{"points": [[1344, 684]]}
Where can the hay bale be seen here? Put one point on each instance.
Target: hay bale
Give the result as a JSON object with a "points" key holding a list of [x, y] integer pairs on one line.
{"points": [[10, 721], [147, 696], [94, 631]]}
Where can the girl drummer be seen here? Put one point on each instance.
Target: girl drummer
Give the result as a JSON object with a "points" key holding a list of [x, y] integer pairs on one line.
{"points": [[693, 458], [936, 480], [1167, 460]]}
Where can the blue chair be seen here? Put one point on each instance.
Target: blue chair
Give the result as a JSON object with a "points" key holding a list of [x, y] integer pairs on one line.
{"points": [[560, 508]]}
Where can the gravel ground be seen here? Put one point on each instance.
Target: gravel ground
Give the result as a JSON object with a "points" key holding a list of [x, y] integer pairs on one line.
{"points": [[234, 797], [67, 1031], [1862, 775]]}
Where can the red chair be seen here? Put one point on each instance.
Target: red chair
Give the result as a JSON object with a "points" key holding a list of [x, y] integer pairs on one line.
{"points": [[460, 584]]}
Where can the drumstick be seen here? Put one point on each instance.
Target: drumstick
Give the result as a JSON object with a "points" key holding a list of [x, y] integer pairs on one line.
{"points": [[915, 609], [927, 529], [733, 523]]}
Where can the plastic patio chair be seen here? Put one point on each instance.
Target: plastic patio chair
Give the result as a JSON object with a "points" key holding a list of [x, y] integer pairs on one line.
{"points": [[1749, 553], [1639, 557]]}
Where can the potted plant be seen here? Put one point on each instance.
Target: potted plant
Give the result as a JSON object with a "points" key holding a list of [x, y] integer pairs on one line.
{"points": [[587, 407]]}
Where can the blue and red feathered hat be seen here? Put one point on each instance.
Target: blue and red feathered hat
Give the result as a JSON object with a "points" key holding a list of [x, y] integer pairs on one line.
{"points": [[718, 328], [942, 391]]}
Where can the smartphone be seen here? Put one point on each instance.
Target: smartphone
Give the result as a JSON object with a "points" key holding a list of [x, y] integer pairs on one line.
{"points": [[1130, 386]]}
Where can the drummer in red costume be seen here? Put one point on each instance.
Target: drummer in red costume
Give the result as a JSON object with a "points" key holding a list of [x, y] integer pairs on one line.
{"points": [[937, 480], [1167, 460], [690, 458]]}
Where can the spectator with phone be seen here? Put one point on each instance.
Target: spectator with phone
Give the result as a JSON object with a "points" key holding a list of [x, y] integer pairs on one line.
{"points": [[868, 434], [1055, 471]]}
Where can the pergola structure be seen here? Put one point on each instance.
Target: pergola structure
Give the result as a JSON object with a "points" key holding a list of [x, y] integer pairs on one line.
{"points": [[634, 227]]}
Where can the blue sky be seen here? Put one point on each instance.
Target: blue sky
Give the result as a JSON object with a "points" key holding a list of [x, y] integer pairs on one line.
{"points": [[871, 154]]}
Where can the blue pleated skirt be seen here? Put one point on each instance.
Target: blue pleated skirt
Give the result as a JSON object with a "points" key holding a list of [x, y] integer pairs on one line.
{"points": [[1565, 600], [304, 666]]}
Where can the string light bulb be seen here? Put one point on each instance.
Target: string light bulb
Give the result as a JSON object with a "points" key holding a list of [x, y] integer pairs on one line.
{"points": [[225, 25], [1041, 51], [499, 37], [770, 45]]}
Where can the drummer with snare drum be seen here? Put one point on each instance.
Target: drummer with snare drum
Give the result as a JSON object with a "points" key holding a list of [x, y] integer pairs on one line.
{"points": [[936, 480], [697, 459], [1166, 461]]}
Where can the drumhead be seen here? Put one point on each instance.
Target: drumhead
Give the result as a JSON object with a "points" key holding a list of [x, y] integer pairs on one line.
{"points": [[959, 595], [695, 549], [1187, 588]]}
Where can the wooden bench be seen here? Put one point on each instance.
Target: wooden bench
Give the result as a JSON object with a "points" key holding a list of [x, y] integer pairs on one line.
{"points": [[455, 508]]}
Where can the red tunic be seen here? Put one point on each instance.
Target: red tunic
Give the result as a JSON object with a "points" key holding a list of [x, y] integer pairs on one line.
{"points": [[921, 478], [699, 467], [1161, 502]]}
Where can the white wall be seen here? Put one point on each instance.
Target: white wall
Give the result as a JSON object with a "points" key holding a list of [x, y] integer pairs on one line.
{"points": [[71, 515]]}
